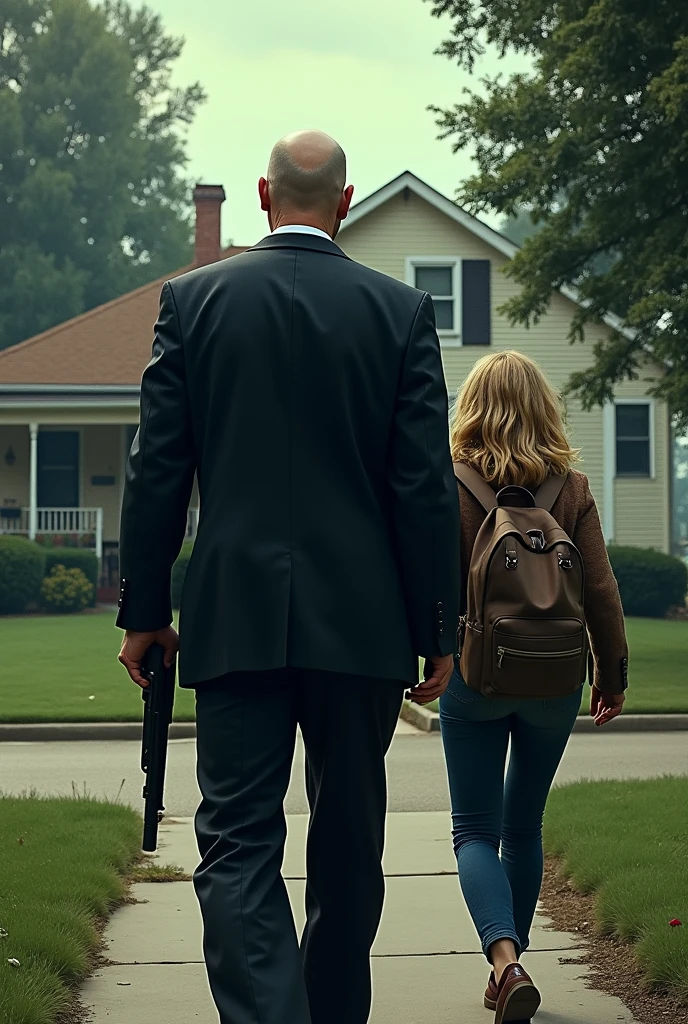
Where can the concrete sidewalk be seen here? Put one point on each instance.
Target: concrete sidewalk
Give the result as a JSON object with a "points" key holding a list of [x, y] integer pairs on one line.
{"points": [[427, 967]]}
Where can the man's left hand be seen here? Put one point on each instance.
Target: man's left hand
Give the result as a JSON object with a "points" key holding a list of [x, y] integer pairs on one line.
{"points": [[135, 645], [438, 672]]}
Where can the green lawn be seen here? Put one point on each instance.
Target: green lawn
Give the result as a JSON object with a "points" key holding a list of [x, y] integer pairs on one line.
{"points": [[658, 668], [62, 867], [64, 668], [627, 842]]}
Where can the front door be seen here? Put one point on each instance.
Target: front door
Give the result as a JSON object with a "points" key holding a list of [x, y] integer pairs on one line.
{"points": [[58, 469]]}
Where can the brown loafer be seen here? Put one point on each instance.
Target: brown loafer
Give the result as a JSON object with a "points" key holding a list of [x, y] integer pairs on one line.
{"points": [[517, 997], [491, 994]]}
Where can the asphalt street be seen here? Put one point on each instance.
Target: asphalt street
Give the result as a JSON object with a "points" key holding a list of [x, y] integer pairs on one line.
{"points": [[417, 779]]}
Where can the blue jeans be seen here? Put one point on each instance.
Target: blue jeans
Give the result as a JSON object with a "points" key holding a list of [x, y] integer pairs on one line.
{"points": [[497, 823]]}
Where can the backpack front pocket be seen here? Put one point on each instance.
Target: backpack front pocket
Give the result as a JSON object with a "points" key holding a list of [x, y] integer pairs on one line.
{"points": [[528, 661]]}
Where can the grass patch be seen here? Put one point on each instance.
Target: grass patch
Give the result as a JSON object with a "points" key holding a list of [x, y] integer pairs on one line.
{"points": [[657, 674], [148, 872], [65, 669], [63, 864], [53, 665], [627, 842]]}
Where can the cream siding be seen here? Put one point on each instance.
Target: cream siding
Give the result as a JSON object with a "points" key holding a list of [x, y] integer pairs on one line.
{"points": [[101, 455], [642, 506], [409, 226], [14, 480]]}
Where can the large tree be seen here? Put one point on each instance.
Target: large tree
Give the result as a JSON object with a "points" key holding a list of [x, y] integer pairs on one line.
{"points": [[92, 195], [601, 119]]}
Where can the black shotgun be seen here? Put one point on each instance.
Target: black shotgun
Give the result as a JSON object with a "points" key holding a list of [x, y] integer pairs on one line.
{"points": [[158, 701]]}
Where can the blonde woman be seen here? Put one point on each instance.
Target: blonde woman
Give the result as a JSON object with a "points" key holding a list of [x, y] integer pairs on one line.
{"points": [[508, 425]]}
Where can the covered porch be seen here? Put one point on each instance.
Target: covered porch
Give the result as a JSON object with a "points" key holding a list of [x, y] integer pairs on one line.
{"points": [[62, 474]]}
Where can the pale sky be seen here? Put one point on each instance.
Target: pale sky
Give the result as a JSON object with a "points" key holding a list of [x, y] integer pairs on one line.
{"points": [[364, 71]]}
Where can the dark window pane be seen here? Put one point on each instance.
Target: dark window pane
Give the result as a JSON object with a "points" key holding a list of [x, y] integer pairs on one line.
{"points": [[632, 458], [633, 420], [476, 311], [435, 280], [58, 469], [444, 314], [58, 448]]}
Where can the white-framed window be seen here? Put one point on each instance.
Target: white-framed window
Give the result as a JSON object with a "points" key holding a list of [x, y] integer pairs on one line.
{"points": [[460, 291], [441, 280], [635, 442]]}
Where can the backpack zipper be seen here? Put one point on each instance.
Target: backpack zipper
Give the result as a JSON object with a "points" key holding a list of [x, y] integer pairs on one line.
{"points": [[502, 651]]}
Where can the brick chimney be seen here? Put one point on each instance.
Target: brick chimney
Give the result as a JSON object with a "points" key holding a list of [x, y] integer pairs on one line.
{"points": [[208, 200]]}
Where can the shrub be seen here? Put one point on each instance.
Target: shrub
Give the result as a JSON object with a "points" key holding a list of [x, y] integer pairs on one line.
{"points": [[179, 573], [75, 558], [650, 582], [21, 571], [66, 590]]}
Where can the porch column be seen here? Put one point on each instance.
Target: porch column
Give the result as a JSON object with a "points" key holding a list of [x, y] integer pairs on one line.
{"points": [[33, 492]]}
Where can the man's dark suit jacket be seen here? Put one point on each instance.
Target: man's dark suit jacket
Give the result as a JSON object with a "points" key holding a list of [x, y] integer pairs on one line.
{"points": [[307, 393]]}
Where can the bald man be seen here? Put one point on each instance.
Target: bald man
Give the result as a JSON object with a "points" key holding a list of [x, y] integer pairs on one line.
{"points": [[306, 391]]}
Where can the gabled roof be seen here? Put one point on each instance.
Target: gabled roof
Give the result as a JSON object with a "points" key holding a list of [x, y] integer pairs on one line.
{"points": [[109, 345], [466, 220]]}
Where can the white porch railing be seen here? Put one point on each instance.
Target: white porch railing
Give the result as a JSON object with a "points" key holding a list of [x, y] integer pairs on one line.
{"points": [[79, 522]]}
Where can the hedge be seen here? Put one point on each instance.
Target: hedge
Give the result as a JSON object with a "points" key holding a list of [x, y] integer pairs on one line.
{"points": [[22, 567], [66, 590], [75, 558], [179, 572], [650, 582]]}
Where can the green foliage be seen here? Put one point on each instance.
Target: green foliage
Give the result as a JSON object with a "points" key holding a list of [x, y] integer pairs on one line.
{"points": [[62, 867], [179, 573], [75, 558], [21, 572], [650, 582], [66, 590], [602, 120], [92, 196], [626, 842], [519, 226]]}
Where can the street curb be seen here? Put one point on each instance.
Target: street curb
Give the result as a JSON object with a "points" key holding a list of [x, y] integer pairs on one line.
{"points": [[421, 718], [426, 721], [429, 721], [70, 732]]}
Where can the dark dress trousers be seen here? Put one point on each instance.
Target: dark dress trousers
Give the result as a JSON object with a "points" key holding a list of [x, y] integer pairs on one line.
{"points": [[306, 393]]}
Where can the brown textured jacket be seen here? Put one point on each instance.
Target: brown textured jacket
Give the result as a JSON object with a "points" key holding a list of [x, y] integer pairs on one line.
{"points": [[576, 512]]}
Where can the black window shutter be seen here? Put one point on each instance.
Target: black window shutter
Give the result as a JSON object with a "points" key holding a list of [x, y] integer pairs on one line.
{"points": [[476, 307]]}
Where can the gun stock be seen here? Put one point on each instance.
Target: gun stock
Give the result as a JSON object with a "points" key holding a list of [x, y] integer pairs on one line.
{"points": [[158, 702]]}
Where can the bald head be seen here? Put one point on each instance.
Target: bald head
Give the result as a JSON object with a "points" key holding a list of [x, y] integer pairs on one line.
{"points": [[307, 171]]}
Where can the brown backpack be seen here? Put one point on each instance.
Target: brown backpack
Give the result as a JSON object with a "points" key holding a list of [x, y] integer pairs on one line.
{"points": [[524, 633]]}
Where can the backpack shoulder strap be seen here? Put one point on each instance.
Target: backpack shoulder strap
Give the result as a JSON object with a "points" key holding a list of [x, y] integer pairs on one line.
{"points": [[473, 482], [549, 491]]}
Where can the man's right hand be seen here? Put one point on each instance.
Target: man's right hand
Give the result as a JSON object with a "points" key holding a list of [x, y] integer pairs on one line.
{"points": [[438, 672], [135, 645]]}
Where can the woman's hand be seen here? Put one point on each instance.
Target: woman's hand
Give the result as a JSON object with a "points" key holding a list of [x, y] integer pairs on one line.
{"points": [[605, 706]]}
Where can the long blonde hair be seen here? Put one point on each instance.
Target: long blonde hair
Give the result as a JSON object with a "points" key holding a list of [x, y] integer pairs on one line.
{"points": [[508, 422]]}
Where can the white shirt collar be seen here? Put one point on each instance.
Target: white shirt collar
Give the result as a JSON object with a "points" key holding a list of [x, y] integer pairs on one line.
{"points": [[300, 229]]}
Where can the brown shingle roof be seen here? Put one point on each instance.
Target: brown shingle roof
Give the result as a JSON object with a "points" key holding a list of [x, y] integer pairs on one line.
{"points": [[110, 344]]}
